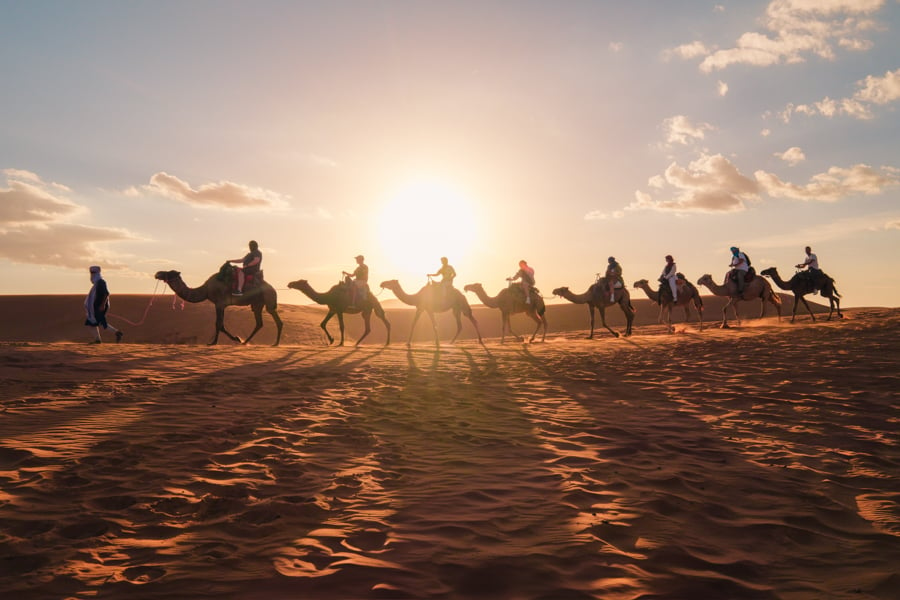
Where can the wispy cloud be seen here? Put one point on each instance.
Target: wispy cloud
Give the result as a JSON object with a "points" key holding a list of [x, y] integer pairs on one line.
{"points": [[835, 184], [833, 230], [222, 194], [680, 130], [872, 91], [793, 31], [34, 227]]}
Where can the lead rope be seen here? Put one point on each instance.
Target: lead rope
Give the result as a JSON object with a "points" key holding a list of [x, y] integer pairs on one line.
{"points": [[149, 304]]}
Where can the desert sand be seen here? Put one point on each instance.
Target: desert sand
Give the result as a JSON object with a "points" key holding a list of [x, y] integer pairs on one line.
{"points": [[757, 462]]}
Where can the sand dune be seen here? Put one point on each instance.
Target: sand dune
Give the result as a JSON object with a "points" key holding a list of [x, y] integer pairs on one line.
{"points": [[749, 463]]}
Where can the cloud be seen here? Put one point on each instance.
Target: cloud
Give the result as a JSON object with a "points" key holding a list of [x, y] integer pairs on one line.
{"points": [[59, 245], [686, 51], [680, 130], [792, 156], [34, 227], [795, 29], [598, 215], [616, 47], [28, 200], [722, 88], [223, 194], [829, 231], [872, 91], [833, 185], [710, 184], [895, 224]]}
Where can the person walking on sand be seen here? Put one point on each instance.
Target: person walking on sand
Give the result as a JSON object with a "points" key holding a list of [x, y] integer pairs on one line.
{"points": [[250, 264], [360, 285], [526, 275], [448, 274], [613, 277], [96, 305], [739, 268], [670, 275]]}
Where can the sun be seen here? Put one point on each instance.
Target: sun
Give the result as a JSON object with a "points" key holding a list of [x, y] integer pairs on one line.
{"points": [[423, 220]]}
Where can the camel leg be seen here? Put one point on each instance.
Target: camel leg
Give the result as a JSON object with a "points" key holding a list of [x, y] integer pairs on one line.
{"points": [[379, 312], [434, 327], [475, 325], [279, 325], [538, 321], [629, 318], [808, 309], [776, 302], [507, 318], [458, 316], [412, 328], [591, 310], [340, 317], [220, 326], [323, 324], [367, 321], [257, 314], [725, 313], [602, 310]]}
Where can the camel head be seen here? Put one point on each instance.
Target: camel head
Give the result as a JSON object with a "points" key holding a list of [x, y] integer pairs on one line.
{"points": [[640, 283], [298, 285], [769, 272], [391, 284], [472, 287], [705, 280], [167, 275], [560, 291]]}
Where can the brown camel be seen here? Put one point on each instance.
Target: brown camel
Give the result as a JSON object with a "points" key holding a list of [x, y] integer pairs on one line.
{"points": [[433, 299], [337, 299], [217, 290], [511, 303], [801, 284], [753, 289], [597, 297], [688, 296]]}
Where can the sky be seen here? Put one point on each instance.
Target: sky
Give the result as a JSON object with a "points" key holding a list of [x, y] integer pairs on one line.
{"points": [[155, 135]]}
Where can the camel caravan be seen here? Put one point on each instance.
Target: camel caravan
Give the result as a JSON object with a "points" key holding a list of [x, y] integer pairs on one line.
{"points": [[246, 286]]}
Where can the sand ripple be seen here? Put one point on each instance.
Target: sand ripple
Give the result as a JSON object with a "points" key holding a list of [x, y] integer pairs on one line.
{"points": [[754, 463]]}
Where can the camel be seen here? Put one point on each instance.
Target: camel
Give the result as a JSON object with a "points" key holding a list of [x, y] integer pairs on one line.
{"points": [[509, 304], [218, 291], [337, 299], [801, 284], [755, 288], [431, 299], [688, 296], [597, 297]]}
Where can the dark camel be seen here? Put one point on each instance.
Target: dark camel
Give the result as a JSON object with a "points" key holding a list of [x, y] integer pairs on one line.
{"points": [[510, 303], [801, 284], [753, 289], [337, 299], [432, 299], [218, 291], [688, 296], [597, 296]]}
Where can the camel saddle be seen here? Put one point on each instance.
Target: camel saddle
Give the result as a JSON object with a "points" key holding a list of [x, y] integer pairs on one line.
{"points": [[750, 276], [229, 273]]}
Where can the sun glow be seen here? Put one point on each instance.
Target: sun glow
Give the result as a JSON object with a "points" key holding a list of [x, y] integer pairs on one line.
{"points": [[424, 220]]}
